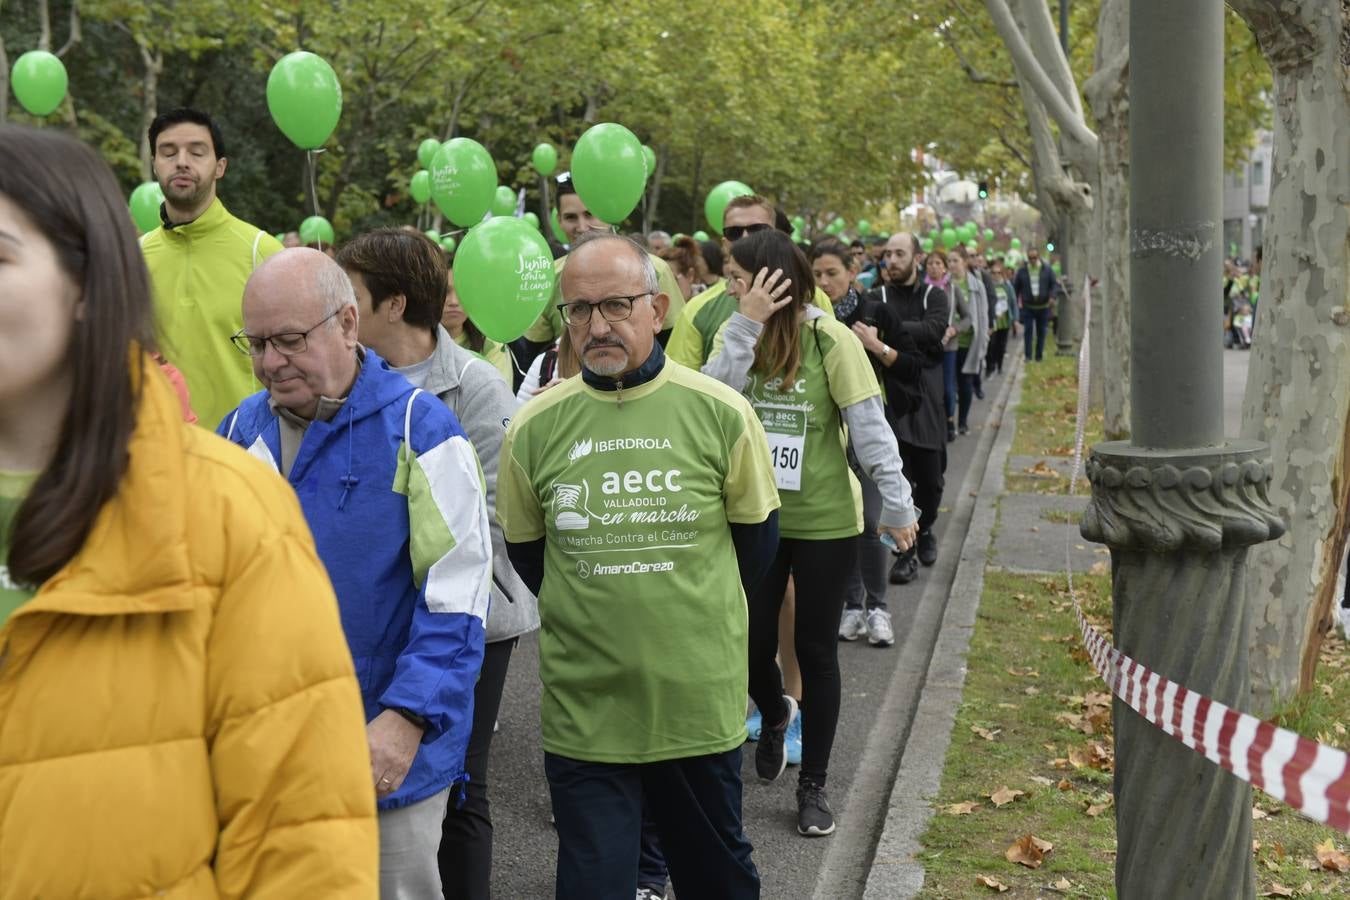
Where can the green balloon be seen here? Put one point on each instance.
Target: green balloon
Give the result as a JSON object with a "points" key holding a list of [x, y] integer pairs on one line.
{"points": [[839, 224], [935, 235], [884, 235], [145, 201], [718, 198], [558, 233], [700, 235], [864, 227], [927, 245], [305, 98], [1015, 244], [1054, 267], [798, 223], [504, 201], [972, 246], [649, 155], [426, 152], [39, 80], [433, 235], [675, 238], [545, 159], [532, 219], [280, 236], [796, 236], [316, 229], [988, 235], [504, 276], [463, 181], [420, 185], [448, 243], [948, 222], [609, 171], [949, 238]]}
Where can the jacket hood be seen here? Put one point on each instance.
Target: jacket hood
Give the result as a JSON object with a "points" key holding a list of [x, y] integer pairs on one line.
{"points": [[447, 363], [371, 392], [135, 558]]}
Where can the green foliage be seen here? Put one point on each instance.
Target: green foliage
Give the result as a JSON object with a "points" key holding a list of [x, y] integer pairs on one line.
{"points": [[817, 108]]}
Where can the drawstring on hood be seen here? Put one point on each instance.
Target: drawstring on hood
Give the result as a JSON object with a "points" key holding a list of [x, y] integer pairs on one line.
{"points": [[349, 480]]}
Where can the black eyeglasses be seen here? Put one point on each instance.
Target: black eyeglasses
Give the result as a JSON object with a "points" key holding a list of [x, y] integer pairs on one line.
{"points": [[612, 309], [735, 232], [288, 343]]}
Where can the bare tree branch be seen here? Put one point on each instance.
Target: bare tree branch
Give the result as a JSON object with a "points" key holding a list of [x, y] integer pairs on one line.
{"points": [[1071, 124], [75, 35], [972, 73], [1014, 150]]}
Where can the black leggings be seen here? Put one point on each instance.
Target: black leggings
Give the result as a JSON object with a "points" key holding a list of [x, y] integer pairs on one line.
{"points": [[465, 857], [815, 566]]}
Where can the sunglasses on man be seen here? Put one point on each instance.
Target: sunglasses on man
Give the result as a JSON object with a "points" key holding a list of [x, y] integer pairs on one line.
{"points": [[735, 232]]}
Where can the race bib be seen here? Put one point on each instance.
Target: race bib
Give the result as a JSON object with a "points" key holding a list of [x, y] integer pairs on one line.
{"points": [[785, 427]]}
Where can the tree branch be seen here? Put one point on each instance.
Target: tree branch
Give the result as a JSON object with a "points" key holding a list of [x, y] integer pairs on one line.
{"points": [[74, 37], [1024, 60], [972, 73], [1014, 150], [1040, 30]]}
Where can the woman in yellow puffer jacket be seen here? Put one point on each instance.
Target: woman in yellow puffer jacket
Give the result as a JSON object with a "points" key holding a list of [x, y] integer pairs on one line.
{"points": [[178, 712]]}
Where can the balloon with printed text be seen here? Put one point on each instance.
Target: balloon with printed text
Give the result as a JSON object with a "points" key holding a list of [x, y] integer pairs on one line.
{"points": [[718, 198], [504, 276], [39, 81], [609, 171], [463, 181], [304, 98]]}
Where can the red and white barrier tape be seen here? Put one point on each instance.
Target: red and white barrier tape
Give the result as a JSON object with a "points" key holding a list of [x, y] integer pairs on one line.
{"points": [[1311, 777]]}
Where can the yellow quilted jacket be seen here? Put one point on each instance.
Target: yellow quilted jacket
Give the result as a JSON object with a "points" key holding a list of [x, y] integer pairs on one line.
{"points": [[178, 712]]}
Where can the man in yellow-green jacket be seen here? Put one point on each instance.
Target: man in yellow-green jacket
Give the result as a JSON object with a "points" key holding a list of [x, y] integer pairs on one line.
{"points": [[199, 260]]}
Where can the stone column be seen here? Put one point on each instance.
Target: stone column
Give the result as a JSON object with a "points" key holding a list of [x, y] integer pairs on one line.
{"points": [[1177, 505], [1179, 524]]}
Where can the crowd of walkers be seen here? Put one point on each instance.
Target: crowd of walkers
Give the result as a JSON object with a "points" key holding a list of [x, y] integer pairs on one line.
{"points": [[275, 668]]}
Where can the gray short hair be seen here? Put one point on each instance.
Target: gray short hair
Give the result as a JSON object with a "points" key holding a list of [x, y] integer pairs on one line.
{"points": [[651, 284], [335, 287], [658, 235]]}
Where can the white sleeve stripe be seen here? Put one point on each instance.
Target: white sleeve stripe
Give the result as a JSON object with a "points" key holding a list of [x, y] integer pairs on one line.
{"points": [[461, 580]]}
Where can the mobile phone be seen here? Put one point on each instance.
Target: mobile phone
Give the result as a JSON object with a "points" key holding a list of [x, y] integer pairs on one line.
{"points": [[890, 544]]}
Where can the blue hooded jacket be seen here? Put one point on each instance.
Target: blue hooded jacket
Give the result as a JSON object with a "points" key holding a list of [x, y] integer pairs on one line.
{"points": [[404, 536]]}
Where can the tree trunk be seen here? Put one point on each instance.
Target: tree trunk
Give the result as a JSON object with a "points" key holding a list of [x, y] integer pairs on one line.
{"points": [[153, 64], [693, 191], [1297, 397], [1107, 92], [4, 81]]}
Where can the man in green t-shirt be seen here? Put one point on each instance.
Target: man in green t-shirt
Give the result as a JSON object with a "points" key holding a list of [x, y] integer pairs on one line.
{"points": [[639, 503]]}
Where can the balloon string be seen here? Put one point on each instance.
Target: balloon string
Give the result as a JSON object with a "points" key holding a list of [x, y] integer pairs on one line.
{"points": [[313, 187]]}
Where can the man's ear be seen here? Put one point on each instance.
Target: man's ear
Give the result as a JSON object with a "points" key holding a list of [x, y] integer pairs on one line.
{"points": [[220, 167], [398, 305], [660, 306]]}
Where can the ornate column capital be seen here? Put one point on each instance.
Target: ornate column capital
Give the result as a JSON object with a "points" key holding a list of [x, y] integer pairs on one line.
{"points": [[1170, 500]]}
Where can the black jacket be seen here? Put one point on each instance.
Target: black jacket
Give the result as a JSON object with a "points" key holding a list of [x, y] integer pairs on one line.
{"points": [[919, 312], [1022, 287]]}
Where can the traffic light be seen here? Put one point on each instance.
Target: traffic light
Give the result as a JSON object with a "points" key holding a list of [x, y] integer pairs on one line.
{"points": [[1049, 246], [984, 190]]}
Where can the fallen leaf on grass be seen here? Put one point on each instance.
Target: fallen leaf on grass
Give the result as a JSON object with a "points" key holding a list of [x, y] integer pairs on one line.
{"points": [[961, 809], [1026, 672], [1065, 784], [1278, 890], [1272, 865], [1031, 691], [1332, 859], [985, 732], [1097, 809], [1326, 689], [1100, 567], [1029, 851], [991, 883], [1042, 780], [1008, 706], [1258, 814], [1062, 885], [1003, 796]]}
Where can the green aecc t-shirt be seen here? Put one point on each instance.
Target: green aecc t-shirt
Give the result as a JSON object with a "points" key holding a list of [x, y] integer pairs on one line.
{"points": [[821, 497], [642, 645], [14, 487]]}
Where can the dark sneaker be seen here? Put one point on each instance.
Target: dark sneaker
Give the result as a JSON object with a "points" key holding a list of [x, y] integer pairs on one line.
{"points": [[770, 756], [963, 429], [905, 569], [927, 547], [814, 818], [649, 893], [951, 431]]}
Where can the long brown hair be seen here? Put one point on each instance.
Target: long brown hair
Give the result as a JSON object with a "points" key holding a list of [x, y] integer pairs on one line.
{"points": [[779, 347], [71, 196]]}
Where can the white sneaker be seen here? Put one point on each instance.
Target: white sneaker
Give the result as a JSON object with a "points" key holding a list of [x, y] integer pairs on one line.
{"points": [[853, 625], [879, 633]]}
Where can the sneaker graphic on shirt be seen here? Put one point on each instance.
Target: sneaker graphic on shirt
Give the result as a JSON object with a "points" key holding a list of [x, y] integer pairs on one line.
{"points": [[569, 506]]}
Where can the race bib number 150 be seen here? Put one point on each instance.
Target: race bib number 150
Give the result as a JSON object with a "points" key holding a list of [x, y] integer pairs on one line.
{"points": [[785, 427]]}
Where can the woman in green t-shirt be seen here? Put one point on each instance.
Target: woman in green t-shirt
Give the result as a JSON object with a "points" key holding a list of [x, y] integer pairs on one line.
{"points": [[808, 378]]}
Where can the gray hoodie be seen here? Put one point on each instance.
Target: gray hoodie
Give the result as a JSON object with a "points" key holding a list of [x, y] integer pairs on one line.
{"points": [[482, 401]]}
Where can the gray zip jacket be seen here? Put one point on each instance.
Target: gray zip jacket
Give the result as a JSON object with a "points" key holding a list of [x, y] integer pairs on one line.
{"points": [[482, 401]]}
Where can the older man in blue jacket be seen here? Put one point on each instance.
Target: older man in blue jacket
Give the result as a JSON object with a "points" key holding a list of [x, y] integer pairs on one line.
{"points": [[394, 494]]}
